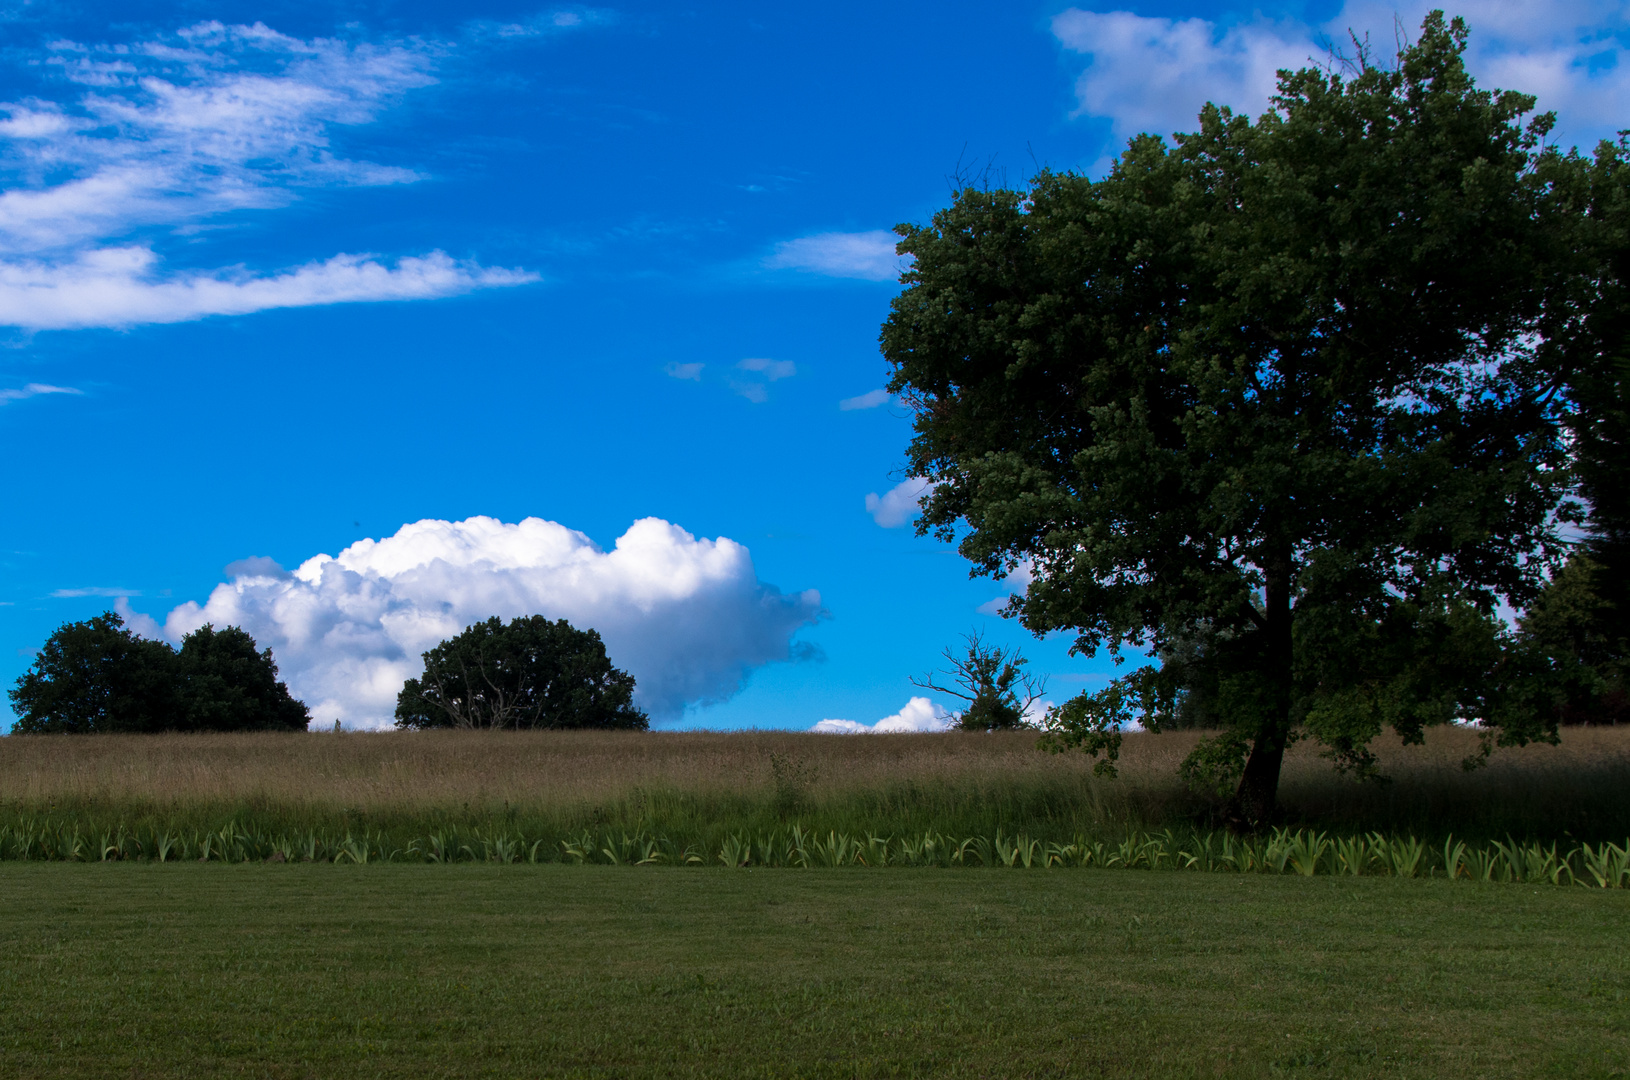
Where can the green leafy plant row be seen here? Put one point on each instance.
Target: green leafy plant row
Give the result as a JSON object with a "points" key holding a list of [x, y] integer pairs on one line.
{"points": [[1306, 852]]}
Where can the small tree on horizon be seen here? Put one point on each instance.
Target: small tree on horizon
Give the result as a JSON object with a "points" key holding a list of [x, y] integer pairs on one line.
{"points": [[992, 680]]}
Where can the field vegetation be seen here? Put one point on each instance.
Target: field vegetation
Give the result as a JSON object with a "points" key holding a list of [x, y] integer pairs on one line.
{"points": [[781, 798]]}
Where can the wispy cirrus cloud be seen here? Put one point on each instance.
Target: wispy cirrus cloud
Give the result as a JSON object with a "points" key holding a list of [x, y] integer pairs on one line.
{"points": [[543, 24], [758, 367], [124, 287], [95, 590], [869, 256], [167, 133], [871, 399], [770, 369], [1153, 74], [34, 389]]}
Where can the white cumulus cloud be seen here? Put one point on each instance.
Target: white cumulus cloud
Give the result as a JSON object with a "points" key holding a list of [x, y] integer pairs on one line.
{"points": [[687, 617], [867, 255], [1153, 74], [899, 504], [919, 714], [167, 133]]}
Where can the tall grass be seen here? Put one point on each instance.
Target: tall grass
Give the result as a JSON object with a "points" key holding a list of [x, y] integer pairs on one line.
{"points": [[706, 785]]}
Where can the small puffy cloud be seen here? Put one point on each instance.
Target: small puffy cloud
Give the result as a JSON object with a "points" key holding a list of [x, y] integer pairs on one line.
{"points": [[866, 255], [175, 130], [687, 617], [1153, 74], [770, 369], [899, 504], [919, 714], [34, 389], [693, 372], [871, 399]]}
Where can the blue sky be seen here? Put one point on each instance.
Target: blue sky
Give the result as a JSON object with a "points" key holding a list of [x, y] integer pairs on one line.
{"points": [[277, 279]]}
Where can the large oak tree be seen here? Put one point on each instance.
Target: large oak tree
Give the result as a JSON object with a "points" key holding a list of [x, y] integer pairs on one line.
{"points": [[1282, 403]]}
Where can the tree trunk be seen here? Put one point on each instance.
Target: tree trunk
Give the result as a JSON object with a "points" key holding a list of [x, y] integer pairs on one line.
{"points": [[1257, 796]]}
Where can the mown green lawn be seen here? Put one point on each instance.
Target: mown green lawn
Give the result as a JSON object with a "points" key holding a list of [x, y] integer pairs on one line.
{"points": [[137, 970]]}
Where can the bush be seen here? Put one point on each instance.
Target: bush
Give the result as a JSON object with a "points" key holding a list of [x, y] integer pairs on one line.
{"points": [[532, 673]]}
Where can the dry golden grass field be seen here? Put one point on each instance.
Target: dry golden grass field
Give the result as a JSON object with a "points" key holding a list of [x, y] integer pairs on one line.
{"points": [[1578, 789]]}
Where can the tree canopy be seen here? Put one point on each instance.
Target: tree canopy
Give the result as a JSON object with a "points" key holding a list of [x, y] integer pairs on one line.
{"points": [[1283, 403], [96, 677], [229, 686], [530, 673]]}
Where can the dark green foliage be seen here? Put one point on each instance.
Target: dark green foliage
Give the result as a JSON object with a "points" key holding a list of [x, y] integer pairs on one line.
{"points": [[532, 673], [98, 677], [1580, 627], [992, 681], [95, 677], [1576, 633], [1281, 402], [1602, 428], [228, 686], [1598, 383]]}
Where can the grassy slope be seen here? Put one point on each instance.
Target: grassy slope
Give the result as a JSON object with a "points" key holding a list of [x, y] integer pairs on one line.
{"points": [[137, 970]]}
